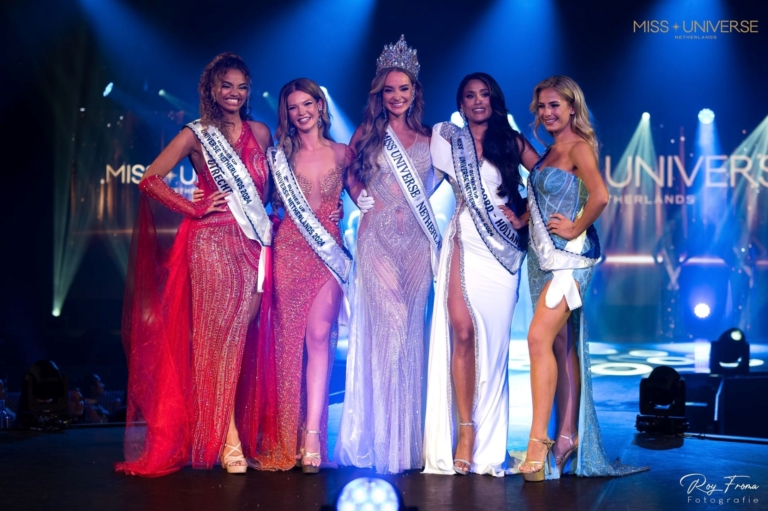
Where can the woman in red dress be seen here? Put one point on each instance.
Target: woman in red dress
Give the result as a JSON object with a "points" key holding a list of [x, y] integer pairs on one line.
{"points": [[194, 346], [307, 295]]}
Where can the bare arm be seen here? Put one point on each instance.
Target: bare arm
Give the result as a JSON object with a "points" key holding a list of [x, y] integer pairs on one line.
{"points": [[528, 154], [585, 168], [152, 183]]}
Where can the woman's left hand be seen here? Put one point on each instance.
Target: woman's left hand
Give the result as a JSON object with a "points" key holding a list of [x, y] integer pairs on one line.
{"points": [[560, 225], [515, 220], [338, 213]]}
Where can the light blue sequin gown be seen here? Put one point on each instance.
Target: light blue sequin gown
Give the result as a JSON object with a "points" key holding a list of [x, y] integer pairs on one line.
{"points": [[558, 191]]}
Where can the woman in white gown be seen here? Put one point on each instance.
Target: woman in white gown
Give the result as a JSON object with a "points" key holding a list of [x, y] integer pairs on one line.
{"points": [[477, 288]]}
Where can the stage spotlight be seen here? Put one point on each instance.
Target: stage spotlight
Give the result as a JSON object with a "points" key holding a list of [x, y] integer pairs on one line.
{"points": [[706, 116], [366, 493], [645, 116], [265, 94], [108, 89], [457, 119], [43, 402], [662, 403], [701, 310], [161, 92], [729, 355], [56, 312]]}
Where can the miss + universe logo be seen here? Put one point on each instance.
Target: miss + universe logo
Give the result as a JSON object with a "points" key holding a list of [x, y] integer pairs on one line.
{"points": [[705, 27]]}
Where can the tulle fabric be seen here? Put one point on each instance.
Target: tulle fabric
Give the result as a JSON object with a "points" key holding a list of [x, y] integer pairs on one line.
{"points": [[157, 337]]}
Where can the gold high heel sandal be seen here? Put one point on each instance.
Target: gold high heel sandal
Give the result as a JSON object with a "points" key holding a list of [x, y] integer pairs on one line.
{"points": [[560, 461], [229, 458], [306, 466], [544, 467], [456, 468]]}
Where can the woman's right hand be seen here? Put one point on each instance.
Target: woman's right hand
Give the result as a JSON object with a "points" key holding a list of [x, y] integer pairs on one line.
{"points": [[198, 194]]}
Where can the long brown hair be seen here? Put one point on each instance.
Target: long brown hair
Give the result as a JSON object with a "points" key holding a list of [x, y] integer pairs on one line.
{"points": [[210, 111], [287, 139], [570, 91], [375, 124]]}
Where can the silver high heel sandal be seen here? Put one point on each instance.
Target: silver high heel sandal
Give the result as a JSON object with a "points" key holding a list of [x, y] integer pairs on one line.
{"points": [[463, 471], [560, 461], [231, 457]]}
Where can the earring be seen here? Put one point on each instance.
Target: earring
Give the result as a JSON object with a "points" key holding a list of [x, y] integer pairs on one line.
{"points": [[463, 116], [384, 113], [410, 109], [292, 130], [320, 118]]}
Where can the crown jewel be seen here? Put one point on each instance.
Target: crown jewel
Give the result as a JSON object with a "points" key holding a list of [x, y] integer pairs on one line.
{"points": [[399, 55]]}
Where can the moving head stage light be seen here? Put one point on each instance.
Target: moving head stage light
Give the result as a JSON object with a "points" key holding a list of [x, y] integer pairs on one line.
{"points": [[662, 403], [43, 400]]}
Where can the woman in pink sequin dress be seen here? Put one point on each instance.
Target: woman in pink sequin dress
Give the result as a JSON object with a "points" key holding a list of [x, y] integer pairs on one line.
{"points": [[307, 296], [194, 346]]}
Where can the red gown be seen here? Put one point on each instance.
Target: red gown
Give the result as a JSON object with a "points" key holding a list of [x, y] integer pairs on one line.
{"points": [[299, 276], [186, 332]]}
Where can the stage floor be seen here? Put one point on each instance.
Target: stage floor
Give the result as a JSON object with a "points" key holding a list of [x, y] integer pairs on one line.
{"points": [[73, 469]]}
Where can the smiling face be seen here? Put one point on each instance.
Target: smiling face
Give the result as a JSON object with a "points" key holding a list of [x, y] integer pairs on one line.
{"points": [[476, 102], [553, 110], [303, 110], [397, 94], [231, 92]]}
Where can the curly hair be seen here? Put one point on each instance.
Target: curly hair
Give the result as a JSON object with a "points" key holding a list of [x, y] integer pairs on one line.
{"points": [[571, 93], [500, 143], [375, 124], [210, 111]]}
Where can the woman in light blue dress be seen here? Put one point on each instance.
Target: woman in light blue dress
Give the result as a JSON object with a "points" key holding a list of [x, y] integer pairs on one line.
{"points": [[566, 195]]}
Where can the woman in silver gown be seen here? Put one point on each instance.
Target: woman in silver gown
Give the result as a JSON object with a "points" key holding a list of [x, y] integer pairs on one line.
{"points": [[566, 194], [381, 423]]}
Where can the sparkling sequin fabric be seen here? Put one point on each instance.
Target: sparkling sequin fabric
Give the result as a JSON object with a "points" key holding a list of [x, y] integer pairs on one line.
{"points": [[558, 191], [180, 411], [381, 423], [299, 276]]}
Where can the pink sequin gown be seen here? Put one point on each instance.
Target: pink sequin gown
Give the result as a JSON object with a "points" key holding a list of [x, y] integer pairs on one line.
{"points": [[299, 276]]}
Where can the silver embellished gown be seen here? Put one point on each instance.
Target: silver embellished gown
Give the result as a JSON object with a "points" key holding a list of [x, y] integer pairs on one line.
{"points": [[381, 423], [558, 191]]}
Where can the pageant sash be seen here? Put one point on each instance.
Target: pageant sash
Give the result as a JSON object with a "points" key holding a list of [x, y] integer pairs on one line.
{"points": [[231, 176], [560, 262], [413, 190], [493, 226], [335, 257]]}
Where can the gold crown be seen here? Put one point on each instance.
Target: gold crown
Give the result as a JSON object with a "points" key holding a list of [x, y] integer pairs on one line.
{"points": [[399, 55]]}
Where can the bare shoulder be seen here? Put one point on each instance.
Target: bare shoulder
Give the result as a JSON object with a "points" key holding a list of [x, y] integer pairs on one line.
{"points": [[582, 154], [262, 133]]}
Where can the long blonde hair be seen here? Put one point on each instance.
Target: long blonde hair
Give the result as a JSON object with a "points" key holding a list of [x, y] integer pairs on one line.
{"points": [[570, 91], [287, 139], [375, 124]]}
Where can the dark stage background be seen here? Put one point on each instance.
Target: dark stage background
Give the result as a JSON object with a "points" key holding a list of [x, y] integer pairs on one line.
{"points": [[72, 153]]}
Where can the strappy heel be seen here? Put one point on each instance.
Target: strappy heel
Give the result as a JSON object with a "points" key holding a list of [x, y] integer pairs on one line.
{"points": [[560, 461], [544, 467], [462, 471], [230, 457], [307, 457]]}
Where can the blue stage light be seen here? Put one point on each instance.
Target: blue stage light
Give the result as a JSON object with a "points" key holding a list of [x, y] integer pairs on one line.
{"points": [[706, 116], [161, 92], [368, 493], [646, 116], [108, 89]]}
